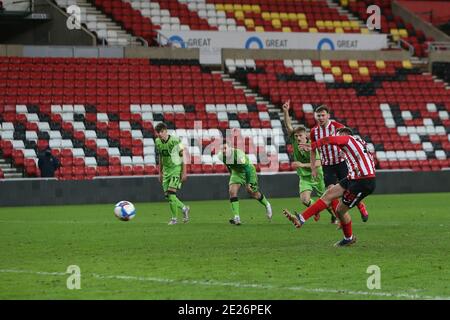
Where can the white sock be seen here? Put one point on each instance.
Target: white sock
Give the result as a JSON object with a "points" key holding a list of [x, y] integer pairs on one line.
{"points": [[351, 237]]}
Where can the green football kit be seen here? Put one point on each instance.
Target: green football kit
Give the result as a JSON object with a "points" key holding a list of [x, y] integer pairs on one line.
{"points": [[171, 157]]}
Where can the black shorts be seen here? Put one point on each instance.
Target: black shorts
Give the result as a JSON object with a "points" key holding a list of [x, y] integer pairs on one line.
{"points": [[334, 173], [356, 190]]}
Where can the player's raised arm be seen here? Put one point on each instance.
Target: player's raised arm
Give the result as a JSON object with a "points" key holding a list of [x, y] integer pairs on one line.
{"points": [[313, 159], [287, 118]]}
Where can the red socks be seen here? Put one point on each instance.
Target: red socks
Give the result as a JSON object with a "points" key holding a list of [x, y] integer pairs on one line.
{"points": [[347, 229], [334, 205], [362, 208], [318, 206]]}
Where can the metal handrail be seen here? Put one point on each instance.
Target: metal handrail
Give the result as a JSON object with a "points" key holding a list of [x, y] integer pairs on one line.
{"points": [[439, 46], [161, 36], [143, 40], [400, 42], [409, 45]]}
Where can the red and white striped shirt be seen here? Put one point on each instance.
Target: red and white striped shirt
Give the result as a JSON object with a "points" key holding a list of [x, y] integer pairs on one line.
{"points": [[329, 155], [359, 160]]}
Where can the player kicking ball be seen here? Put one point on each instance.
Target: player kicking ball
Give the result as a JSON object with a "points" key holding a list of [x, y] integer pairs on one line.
{"points": [[242, 173], [307, 183], [333, 164], [172, 170], [359, 183]]}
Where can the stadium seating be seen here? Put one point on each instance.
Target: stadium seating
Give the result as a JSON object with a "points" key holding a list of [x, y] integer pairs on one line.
{"points": [[144, 18], [266, 15], [390, 23], [402, 113], [99, 118]]}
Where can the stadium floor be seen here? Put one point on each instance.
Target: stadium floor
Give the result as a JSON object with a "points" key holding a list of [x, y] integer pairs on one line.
{"points": [[407, 236]]}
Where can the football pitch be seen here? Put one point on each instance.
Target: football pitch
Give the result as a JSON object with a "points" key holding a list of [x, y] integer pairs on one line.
{"points": [[407, 237]]}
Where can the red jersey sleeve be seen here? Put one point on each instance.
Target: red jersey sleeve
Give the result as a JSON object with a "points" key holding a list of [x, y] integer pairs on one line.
{"points": [[311, 135], [333, 140], [338, 125]]}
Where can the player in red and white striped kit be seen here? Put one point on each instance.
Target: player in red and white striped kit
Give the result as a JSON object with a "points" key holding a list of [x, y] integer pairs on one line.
{"points": [[359, 183], [333, 164]]}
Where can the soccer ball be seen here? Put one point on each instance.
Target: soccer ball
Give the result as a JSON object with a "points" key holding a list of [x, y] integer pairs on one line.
{"points": [[124, 210]]}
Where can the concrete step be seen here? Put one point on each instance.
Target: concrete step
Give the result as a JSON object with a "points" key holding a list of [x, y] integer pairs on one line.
{"points": [[114, 27], [13, 175], [9, 170], [103, 19]]}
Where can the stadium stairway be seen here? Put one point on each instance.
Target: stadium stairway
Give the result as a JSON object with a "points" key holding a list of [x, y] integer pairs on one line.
{"points": [[271, 108], [7, 171], [391, 24], [105, 28], [441, 73], [343, 10]]}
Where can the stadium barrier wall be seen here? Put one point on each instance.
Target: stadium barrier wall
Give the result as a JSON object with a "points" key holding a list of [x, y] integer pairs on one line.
{"points": [[437, 56], [418, 23], [273, 40], [177, 53], [161, 53], [11, 50], [31, 192], [53, 31], [73, 51]]}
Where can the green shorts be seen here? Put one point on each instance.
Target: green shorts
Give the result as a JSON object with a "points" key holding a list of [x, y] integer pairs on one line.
{"points": [[309, 184], [172, 181], [239, 178]]}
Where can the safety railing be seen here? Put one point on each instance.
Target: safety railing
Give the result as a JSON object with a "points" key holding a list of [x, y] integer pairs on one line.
{"points": [[439, 46]]}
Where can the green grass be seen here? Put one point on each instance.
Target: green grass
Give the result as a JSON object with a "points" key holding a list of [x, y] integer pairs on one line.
{"points": [[407, 236]]}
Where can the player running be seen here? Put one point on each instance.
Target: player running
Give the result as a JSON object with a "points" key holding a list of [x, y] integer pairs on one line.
{"points": [[242, 173], [359, 183], [172, 170], [333, 163], [301, 163]]}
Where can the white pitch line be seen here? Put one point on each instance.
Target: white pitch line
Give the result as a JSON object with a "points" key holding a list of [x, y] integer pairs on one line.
{"points": [[238, 285]]}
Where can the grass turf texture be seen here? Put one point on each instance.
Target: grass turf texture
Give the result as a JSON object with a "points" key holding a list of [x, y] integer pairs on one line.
{"points": [[407, 236]]}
